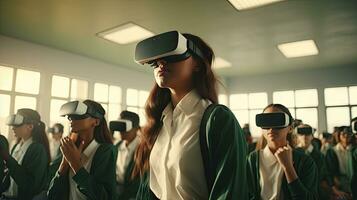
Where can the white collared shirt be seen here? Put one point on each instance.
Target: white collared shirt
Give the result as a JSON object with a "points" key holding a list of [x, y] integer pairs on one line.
{"points": [[125, 154], [271, 175], [342, 156], [176, 165], [86, 160], [18, 154]]}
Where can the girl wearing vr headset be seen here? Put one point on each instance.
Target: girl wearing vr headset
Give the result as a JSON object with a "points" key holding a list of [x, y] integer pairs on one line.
{"points": [[341, 161], [276, 171], [29, 158], [169, 158], [87, 170]]}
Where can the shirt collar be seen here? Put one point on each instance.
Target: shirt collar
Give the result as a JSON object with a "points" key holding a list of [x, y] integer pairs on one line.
{"points": [[186, 105], [26, 144], [310, 148], [132, 146], [340, 147], [90, 148], [269, 158]]}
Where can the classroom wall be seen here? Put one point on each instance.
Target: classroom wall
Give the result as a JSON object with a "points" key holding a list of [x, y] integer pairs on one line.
{"points": [[305, 79], [49, 61]]}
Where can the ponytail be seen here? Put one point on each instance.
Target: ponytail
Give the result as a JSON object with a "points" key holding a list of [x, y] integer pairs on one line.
{"points": [[39, 135]]}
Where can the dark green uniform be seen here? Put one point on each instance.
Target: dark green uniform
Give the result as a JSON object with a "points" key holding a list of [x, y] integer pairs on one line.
{"points": [[224, 152], [333, 168], [305, 187], [97, 184], [354, 176], [320, 162], [5, 146], [31, 175], [130, 186]]}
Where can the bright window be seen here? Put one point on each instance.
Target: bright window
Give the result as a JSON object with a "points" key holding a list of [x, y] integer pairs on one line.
{"points": [[110, 98], [79, 89], [4, 112], [135, 101], [6, 75], [27, 82], [337, 116], [336, 96], [24, 102], [60, 86], [223, 99]]}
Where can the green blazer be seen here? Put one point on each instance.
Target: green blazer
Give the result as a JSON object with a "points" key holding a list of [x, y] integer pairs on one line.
{"points": [[97, 184], [224, 152], [30, 176], [333, 168], [4, 145], [305, 187], [130, 185]]}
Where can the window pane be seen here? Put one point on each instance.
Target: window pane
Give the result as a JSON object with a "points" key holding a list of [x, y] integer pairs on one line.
{"points": [[55, 117], [336, 96], [258, 100], [354, 112], [79, 89], [133, 109], [142, 117], [286, 98], [27, 81], [132, 97], [143, 96], [25, 102], [339, 116], [353, 95], [101, 92], [242, 116], [4, 112], [238, 101], [223, 99], [60, 86], [308, 116], [256, 131], [114, 111], [114, 94], [6, 74], [306, 98]]}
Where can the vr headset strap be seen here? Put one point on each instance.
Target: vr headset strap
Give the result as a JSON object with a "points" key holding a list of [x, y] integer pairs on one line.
{"points": [[194, 49]]}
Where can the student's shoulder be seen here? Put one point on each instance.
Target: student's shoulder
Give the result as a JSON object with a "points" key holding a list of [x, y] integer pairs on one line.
{"points": [[301, 159], [106, 148], [36, 146], [219, 113]]}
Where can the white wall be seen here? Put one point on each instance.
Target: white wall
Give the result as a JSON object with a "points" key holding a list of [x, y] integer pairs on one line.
{"points": [[305, 79], [48, 61]]}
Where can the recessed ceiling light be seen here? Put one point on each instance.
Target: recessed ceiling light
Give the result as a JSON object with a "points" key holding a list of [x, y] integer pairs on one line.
{"points": [[125, 34], [221, 63], [299, 49], [247, 4]]}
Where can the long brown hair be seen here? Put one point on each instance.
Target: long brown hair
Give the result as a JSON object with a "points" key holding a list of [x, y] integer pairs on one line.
{"points": [[39, 128], [101, 132], [290, 137], [204, 81]]}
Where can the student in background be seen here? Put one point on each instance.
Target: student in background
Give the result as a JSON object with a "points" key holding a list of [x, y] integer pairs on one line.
{"points": [[56, 132], [127, 185], [276, 170], [305, 139], [340, 164], [87, 169], [28, 162], [327, 142]]}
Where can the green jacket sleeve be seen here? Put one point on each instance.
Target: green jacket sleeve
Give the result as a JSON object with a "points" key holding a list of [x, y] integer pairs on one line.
{"points": [[5, 146], [306, 186], [144, 192], [58, 188], [226, 159], [100, 183], [33, 168], [354, 176], [253, 176]]}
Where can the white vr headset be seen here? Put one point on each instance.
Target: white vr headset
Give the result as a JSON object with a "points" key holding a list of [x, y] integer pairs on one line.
{"points": [[15, 120], [273, 120], [121, 125], [170, 46], [354, 125], [79, 109]]}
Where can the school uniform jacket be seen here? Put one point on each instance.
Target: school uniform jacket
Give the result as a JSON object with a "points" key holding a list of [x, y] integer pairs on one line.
{"points": [[5, 146], [305, 187], [30, 176], [224, 151], [97, 184], [130, 185]]}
